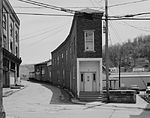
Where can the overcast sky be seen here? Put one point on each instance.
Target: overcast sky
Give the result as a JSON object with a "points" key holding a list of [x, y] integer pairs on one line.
{"points": [[39, 35]]}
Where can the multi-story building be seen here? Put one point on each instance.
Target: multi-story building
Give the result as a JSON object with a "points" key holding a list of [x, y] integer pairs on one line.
{"points": [[77, 62], [10, 44]]}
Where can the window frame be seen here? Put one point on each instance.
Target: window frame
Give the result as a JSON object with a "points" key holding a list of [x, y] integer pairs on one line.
{"points": [[85, 41], [4, 20]]}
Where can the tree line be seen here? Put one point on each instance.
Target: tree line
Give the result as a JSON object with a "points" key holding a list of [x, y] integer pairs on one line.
{"points": [[126, 53]]}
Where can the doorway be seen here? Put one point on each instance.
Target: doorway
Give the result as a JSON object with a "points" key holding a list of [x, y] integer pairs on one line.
{"points": [[88, 81]]}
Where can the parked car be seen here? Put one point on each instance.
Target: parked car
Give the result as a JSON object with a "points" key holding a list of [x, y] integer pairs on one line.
{"points": [[136, 88]]}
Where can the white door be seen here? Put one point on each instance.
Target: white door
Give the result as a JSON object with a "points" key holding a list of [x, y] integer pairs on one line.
{"points": [[12, 78], [88, 80]]}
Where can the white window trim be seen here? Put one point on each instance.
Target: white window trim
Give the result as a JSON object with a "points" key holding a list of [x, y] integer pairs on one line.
{"points": [[85, 31]]}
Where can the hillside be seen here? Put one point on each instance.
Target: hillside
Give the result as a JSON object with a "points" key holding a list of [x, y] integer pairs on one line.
{"points": [[25, 69]]}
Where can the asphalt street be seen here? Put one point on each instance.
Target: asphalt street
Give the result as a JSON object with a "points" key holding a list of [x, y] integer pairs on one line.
{"points": [[46, 101]]}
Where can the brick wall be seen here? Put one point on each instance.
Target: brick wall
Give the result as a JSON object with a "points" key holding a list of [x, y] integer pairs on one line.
{"points": [[96, 25]]}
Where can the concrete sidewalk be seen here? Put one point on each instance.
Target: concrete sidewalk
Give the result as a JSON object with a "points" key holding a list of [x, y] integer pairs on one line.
{"points": [[140, 104], [10, 91]]}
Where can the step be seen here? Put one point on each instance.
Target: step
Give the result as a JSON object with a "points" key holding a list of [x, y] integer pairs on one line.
{"points": [[89, 93], [90, 99]]}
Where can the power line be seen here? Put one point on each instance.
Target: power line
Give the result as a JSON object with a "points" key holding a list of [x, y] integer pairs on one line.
{"points": [[92, 2], [129, 19], [110, 17], [49, 36], [39, 34], [41, 29], [48, 6], [131, 15], [23, 7], [115, 31], [42, 14], [138, 28], [126, 3]]}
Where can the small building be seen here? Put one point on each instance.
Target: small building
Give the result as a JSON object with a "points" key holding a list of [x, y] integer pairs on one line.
{"points": [[77, 62], [42, 71], [9, 34], [141, 65]]}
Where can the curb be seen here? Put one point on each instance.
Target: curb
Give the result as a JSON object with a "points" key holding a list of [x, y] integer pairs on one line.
{"points": [[92, 104], [8, 93], [76, 101]]}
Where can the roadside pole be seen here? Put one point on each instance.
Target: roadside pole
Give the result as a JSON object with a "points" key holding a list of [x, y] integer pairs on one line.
{"points": [[106, 50], [2, 113], [119, 69]]}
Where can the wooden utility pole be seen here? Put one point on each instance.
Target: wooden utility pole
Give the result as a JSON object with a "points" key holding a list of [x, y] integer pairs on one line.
{"points": [[106, 50], [2, 113], [119, 69]]}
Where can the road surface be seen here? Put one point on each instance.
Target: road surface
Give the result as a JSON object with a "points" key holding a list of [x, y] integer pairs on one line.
{"points": [[43, 101]]}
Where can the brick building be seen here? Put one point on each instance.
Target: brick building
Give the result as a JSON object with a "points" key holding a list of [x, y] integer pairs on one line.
{"points": [[43, 71], [10, 44], [77, 62]]}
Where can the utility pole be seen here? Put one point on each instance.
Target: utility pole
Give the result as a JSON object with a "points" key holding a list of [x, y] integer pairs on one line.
{"points": [[119, 69], [2, 113], [106, 50]]}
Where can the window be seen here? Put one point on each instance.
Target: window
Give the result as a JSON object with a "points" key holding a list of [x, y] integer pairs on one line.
{"points": [[43, 71], [63, 73], [12, 66], [70, 52], [4, 21], [11, 45], [89, 40], [81, 77], [58, 59], [11, 29], [94, 76], [16, 50], [66, 55], [16, 36], [4, 41]]}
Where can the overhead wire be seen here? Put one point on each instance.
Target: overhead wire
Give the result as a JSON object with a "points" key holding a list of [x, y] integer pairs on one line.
{"points": [[43, 14], [137, 28], [73, 11], [92, 3], [23, 7], [42, 39], [48, 6], [37, 31], [40, 34], [115, 31], [126, 3]]}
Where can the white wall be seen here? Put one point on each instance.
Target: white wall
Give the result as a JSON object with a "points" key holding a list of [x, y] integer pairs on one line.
{"points": [[90, 65]]}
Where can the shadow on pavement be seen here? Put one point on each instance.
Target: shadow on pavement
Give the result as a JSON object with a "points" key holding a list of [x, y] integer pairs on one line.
{"points": [[59, 96], [144, 114]]}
